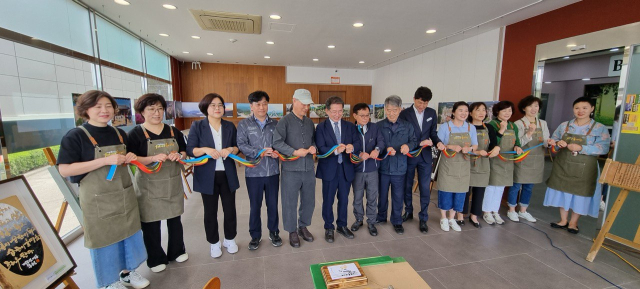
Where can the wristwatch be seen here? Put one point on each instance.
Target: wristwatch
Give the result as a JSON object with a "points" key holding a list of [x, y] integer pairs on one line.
{"points": [[378, 149]]}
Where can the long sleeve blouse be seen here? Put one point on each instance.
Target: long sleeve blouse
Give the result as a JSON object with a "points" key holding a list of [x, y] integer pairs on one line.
{"points": [[597, 141]]}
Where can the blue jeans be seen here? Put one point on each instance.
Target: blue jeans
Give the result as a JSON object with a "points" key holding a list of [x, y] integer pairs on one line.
{"points": [[525, 196], [424, 180], [108, 261], [397, 191], [449, 200]]}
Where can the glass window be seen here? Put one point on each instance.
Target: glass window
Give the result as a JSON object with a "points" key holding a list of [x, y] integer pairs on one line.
{"points": [[157, 63], [117, 46]]}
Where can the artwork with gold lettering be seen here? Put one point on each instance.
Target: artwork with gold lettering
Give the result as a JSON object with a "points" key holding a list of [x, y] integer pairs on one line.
{"points": [[31, 253]]}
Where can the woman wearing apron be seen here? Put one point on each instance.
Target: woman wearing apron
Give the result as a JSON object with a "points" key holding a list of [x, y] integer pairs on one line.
{"points": [[479, 164], [532, 131], [501, 174], [218, 178], [575, 172], [160, 195], [110, 209], [460, 138]]}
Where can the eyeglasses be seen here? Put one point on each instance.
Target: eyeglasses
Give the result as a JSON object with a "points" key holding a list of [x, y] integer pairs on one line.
{"points": [[335, 111], [154, 110], [363, 115], [216, 105]]}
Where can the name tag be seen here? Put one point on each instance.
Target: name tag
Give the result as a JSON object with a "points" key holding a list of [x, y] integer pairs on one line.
{"points": [[429, 119]]}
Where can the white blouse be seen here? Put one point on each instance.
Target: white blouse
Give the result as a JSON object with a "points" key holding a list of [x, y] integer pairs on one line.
{"points": [[217, 139]]}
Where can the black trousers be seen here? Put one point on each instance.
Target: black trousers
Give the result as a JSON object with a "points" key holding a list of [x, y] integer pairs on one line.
{"points": [[151, 234], [476, 201], [220, 190], [260, 188]]}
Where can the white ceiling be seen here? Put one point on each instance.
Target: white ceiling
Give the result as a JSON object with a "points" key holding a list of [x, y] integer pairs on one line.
{"points": [[398, 25]]}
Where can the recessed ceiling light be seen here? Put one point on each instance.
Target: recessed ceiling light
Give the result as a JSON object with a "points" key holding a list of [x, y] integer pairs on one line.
{"points": [[267, 57], [209, 53], [361, 62], [185, 52], [270, 42], [547, 82], [315, 59], [122, 2], [614, 49], [566, 57], [586, 79], [164, 34], [331, 46], [195, 37], [358, 24], [430, 31], [169, 6], [571, 45], [274, 16], [387, 50]]}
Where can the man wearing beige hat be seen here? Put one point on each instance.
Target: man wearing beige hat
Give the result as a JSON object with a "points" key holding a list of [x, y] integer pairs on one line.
{"points": [[294, 136]]}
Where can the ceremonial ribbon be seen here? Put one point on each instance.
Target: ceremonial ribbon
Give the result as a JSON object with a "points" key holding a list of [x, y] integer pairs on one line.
{"points": [[150, 169], [205, 158], [112, 172], [520, 157]]}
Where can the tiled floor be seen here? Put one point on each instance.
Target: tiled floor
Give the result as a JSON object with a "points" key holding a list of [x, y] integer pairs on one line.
{"points": [[509, 256]]}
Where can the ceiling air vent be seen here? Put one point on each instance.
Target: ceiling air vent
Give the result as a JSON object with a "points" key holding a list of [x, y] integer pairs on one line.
{"points": [[228, 22]]}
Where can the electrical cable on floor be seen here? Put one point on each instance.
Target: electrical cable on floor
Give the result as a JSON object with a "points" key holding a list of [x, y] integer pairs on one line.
{"points": [[566, 255]]}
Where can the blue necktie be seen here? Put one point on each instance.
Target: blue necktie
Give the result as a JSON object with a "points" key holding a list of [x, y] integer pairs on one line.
{"points": [[336, 130]]}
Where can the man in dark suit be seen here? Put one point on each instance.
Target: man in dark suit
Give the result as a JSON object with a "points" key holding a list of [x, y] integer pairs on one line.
{"points": [[336, 170], [424, 120]]}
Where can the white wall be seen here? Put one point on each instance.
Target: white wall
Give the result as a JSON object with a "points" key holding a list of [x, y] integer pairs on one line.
{"points": [[297, 74], [465, 70]]}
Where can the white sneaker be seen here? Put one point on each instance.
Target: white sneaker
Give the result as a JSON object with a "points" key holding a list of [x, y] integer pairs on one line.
{"points": [[231, 246], [513, 216], [498, 219], [159, 268], [603, 206], [216, 250], [444, 225], [134, 280], [454, 225], [527, 217], [489, 218], [182, 258], [115, 285]]}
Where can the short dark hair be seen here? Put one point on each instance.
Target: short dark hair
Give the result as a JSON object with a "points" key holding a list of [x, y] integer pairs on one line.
{"points": [[206, 101], [359, 107], [258, 95], [473, 107], [147, 100], [584, 99], [458, 104], [423, 93], [501, 106], [527, 101], [333, 100], [89, 99]]}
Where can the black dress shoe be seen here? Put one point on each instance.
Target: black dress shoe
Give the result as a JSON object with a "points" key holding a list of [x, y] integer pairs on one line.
{"points": [[399, 229], [460, 222], [406, 217], [344, 231], [423, 227], [254, 244], [555, 225], [475, 224], [276, 241], [328, 235], [381, 221], [356, 226], [573, 231], [372, 230], [305, 234], [294, 240]]}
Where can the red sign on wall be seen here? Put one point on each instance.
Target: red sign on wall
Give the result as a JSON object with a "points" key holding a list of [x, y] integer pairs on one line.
{"points": [[335, 80]]}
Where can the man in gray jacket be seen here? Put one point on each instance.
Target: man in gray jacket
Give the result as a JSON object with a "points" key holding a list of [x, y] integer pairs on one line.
{"points": [[255, 134], [293, 137]]}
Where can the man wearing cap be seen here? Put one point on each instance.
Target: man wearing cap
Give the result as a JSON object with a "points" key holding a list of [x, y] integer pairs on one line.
{"points": [[294, 136]]}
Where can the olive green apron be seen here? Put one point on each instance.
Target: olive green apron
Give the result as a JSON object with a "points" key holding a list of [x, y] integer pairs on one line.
{"points": [[502, 171], [531, 169], [574, 174], [160, 195], [480, 165], [455, 172], [110, 208]]}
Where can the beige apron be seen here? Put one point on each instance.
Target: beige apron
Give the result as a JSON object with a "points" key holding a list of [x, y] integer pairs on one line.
{"points": [[531, 169], [110, 209], [574, 174], [480, 165], [454, 175], [502, 171], [160, 195]]}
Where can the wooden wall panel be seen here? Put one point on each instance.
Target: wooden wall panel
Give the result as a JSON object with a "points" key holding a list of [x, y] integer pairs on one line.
{"points": [[234, 83]]}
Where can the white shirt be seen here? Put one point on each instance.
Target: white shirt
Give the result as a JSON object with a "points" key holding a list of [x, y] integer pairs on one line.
{"points": [[217, 139], [419, 116], [333, 125]]}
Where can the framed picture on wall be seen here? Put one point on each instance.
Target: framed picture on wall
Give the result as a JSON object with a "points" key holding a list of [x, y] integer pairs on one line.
{"points": [[346, 111], [275, 110], [169, 114], [378, 111], [32, 254], [605, 95], [190, 109], [228, 109], [244, 110], [123, 116], [317, 111]]}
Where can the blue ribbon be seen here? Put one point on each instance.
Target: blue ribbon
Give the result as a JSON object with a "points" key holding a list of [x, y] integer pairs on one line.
{"points": [[112, 172], [524, 151]]}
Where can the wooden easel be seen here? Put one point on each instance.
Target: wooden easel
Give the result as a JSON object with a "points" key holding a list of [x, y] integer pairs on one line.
{"points": [[627, 177], [67, 281], [63, 207]]}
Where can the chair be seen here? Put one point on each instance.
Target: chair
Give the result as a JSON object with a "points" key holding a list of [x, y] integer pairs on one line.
{"points": [[214, 283]]}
